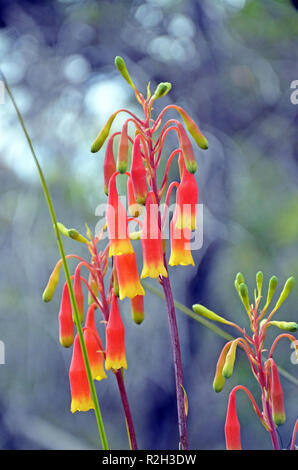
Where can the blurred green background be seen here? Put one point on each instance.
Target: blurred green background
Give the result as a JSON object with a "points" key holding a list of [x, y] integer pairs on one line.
{"points": [[231, 63]]}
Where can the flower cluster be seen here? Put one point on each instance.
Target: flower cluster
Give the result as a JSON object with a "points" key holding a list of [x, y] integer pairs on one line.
{"points": [[264, 370], [137, 159]]}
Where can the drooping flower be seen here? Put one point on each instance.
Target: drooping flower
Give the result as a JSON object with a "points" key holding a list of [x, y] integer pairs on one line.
{"points": [[94, 345], [79, 385], [186, 201], [134, 208], [138, 173], [66, 326], [232, 425], [153, 264], [122, 158], [115, 338], [277, 397], [127, 275], [137, 309], [180, 246], [109, 166], [117, 222], [78, 292]]}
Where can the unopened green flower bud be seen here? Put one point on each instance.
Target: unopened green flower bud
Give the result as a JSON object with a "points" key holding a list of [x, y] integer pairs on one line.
{"points": [[162, 89], [205, 312], [285, 292], [121, 66], [285, 325], [271, 289], [230, 361], [239, 279], [259, 280], [243, 292], [52, 283], [103, 134], [75, 235]]}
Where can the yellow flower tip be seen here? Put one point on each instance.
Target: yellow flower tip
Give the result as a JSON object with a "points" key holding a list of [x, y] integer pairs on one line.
{"points": [[181, 258], [81, 405], [154, 271], [120, 247], [66, 341], [116, 363], [130, 290]]}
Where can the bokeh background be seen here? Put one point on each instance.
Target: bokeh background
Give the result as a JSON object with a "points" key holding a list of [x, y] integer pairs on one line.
{"points": [[231, 63]]}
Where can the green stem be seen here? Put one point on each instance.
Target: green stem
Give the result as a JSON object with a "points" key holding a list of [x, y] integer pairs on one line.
{"points": [[67, 274]]}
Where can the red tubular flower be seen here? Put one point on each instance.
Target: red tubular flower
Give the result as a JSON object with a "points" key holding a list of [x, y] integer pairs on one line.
{"points": [[180, 250], [138, 173], [109, 166], [78, 292], [66, 326], [277, 398], [94, 346], [79, 385], [187, 150], [153, 265], [115, 345], [134, 208], [117, 223], [137, 309], [186, 201], [123, 150], [128, 277], [232, 425]]}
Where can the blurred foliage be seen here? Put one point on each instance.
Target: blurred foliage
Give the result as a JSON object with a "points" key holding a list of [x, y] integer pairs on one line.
{"points": [[231, 63]]}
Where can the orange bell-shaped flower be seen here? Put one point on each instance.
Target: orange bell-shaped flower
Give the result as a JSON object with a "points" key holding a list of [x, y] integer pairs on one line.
{"points": [[127, 275], [94, 346], [186, 200], [115, 343], [66, 326], [180, 246], [79, 385], [117, 222], [153, 264], [138, 173]]}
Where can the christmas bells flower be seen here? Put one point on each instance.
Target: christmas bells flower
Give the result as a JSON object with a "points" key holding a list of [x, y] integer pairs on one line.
{"points": [[80, 391], [94, 346], [127, 275], [115, 345], [153, 265], [66, 326], [117, 222], [180, 246]]}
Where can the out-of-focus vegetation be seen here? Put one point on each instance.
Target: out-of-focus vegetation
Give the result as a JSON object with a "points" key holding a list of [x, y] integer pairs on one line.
{"points": [[231, 63]]}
